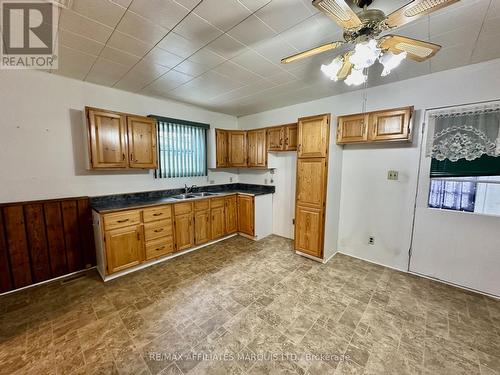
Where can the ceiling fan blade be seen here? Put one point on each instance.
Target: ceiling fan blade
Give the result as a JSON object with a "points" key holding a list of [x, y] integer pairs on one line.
{"points": [[311, 52], [414, 10], [416, 49], [339, 11], [346, 67]]}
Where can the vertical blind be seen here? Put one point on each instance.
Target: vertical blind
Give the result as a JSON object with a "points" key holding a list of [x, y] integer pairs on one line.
{"points": [[182, 149]]}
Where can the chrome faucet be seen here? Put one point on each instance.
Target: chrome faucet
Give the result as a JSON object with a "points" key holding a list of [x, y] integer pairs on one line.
{"points": [[187, 189]]}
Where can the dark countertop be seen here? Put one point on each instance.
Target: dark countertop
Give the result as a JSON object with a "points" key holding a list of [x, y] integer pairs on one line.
{"points": [[118, 202]]}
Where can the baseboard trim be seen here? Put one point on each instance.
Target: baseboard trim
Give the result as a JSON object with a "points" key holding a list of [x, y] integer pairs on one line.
{"points": [[106, 278], [48, 281], [373, 262], [316, 259]]}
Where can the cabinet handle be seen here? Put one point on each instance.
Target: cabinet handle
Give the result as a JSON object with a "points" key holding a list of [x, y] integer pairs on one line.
{"points": [[122, 221], [138, 236], [158, 230], [158, 214], [123, 156], [160, 248]]}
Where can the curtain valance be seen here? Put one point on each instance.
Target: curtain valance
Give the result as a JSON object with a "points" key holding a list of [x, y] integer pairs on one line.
{"points": [[466, 132]]}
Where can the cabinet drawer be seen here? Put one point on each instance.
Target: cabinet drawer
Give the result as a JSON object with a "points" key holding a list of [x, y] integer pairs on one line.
{"points": [[157, 213], [183, 208], [156, 229], [202, 205], [159, 247], [217, 202], [121, 219]]}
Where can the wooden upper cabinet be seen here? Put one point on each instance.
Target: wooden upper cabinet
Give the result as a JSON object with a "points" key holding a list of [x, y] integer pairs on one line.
{"points": [[311, 182], [237, 143], [379, 126], [142, 142], [221, 148], [309, 224], [313, 136], [352, 129], [275, 138], [124, 248], [290, 143], [231, 214], [107, 133], [257, 151], [390, 125], [246, 214]]}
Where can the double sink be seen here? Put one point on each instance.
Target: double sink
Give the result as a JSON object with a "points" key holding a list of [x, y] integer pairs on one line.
{"points": [[193, 195]]}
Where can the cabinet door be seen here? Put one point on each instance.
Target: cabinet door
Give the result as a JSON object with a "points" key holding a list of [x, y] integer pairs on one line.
{"points": [[246, 215], [313, 135], [221, 149], [290, 137], [390, 125], [231, 215], [257, 151], [201, 227], [311, 182], [107, 139], [309, 230], [218, 225], [141, 142], [352, 129], [184, 231], [124, 248], [275, 138], [237, 148]]}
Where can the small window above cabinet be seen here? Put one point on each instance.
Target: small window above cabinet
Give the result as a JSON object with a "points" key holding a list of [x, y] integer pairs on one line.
{"points": [[381, 126], [120, 141]]}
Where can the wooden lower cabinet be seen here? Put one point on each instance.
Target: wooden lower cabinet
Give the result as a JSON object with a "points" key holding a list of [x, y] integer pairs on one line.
{"points": [[246, 214], [124, 248], [309, 231], [159, 247], [202, 227], [184, 231], [231, 214], [218, 224]]}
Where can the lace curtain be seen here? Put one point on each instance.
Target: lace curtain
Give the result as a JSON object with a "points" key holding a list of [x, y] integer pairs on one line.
{"points": [[464, 132]]}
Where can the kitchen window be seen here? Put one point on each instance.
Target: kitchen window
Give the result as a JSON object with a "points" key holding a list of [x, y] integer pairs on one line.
{"points": [[182, 148], [464, 144]]}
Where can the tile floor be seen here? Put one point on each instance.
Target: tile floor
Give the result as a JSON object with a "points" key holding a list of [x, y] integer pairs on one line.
{"points": [[250, 307]]}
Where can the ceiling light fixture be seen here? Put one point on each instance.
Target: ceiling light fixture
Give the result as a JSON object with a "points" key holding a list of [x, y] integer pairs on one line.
{"points": [[332, 70], [364, 56], [391, 61]]}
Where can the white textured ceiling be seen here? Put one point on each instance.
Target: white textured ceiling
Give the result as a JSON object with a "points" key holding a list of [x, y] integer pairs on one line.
{"points": [[225, 54]]}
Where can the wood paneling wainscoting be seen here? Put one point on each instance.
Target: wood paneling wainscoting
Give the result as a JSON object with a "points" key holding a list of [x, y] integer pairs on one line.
{"points": [[41, 240]]}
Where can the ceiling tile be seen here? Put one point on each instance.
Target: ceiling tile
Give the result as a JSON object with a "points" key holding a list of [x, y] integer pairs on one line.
{"points": [[283, 14], [73, 63], [457, 15], [452, 57], [147, 71], [118, 56], [169, 81], [254, 5], [222, 13], [254, 62], [191, 68], [123, 3], [244, 91], [102, 11], [130, 83], [236, 72], [275, 49], [207, 57], [80, 43], [460, 36], [197, 29], [162, 57], [487, 48], [80, 25], [128, 44], [141, 28], [491, 27], [166, 13], [251, 31], [189, 4], [494, 10], [107, 73], [227, 46], [178, 45]]}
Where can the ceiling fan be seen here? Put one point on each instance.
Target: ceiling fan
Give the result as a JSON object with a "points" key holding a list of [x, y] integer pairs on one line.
{"points": [[363, 29]]}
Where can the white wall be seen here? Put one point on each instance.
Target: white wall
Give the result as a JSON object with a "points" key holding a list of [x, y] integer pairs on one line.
{"points": [[42, 146], [373, 205]]}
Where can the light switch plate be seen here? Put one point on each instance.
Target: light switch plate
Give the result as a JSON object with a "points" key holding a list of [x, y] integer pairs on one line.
{"points": [[393, 175]]}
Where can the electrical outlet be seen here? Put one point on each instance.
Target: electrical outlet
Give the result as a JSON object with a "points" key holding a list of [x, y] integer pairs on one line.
{"points": [[371, 240], [212, 182], [230, 179], [393, 175], [265, 181]]}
